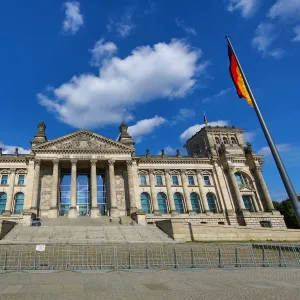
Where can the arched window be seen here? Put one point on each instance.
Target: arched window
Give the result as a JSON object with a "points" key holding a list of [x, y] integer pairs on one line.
{"points": [[19, 203], [233, 140], [211, 200], [3, 198], [217, 140], [241, 178], [225, 140], [162, 203], [248, 201], [195, 202], [145, 201], [178, 203]]}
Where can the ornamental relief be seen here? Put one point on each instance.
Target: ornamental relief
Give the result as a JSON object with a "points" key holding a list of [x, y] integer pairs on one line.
{"points": [[46, 192], [120, 189]]}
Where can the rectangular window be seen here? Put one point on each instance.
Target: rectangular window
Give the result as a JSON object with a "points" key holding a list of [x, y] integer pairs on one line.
{"points": [[175, 180], [206, 179], [266, 224], [191, 180], [159, 180], [143, 180], [4, 179], [21, 179]]}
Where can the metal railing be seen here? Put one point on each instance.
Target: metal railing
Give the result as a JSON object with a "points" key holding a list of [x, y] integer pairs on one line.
{"points": [[147, 256]]}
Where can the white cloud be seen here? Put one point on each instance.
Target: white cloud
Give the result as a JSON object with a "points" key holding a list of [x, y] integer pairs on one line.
{"points": [[216, 96], [249, 136], [144, 127], [73, 19], [280, 147], [125, 26], [102, 50], [286, 10], [297, 34], [246, 7], [163, 71], [265, 35], [183, 114], [7, 149], [168, 151], [188, 30], [197, 127]]}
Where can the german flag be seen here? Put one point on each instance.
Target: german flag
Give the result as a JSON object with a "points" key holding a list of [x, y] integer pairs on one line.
{"points": [[237, 77]]}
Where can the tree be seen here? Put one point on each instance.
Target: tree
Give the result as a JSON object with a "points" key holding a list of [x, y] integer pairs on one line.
{"points": [[286, 209]]}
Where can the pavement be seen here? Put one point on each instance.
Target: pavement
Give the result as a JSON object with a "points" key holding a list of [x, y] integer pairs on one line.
{"points": [[256, 283]]}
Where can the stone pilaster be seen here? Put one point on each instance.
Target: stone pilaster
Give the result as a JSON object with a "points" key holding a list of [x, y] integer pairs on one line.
{"points": [[264, 189], [94, 208], [36, 185], [10, 193], [236, 189], [136, 185], [224, 189], [53, 212], [170, 194], [132, 199], [29, 184], [186, 192], [114, 212], [73, 209], [202, 193], [153, 192]]}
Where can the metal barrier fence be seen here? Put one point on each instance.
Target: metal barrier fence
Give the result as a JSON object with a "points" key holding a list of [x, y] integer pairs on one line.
{"points": [[147, 256]]}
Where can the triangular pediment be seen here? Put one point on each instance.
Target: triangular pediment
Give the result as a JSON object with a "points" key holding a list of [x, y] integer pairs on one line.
{"points": [[83, 140]]}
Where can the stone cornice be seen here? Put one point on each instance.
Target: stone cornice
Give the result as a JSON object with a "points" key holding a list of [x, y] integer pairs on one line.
{"points": [[174, 161], [11, 158]]}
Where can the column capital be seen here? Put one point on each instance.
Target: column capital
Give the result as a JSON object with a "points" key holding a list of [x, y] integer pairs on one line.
{"points": [[73, 161], [55, 162], [93, 162], [111, 162], [199, 172], [167, 171], [183, 171], [38, 161], [13, 170], [257, 168], [129, 163], [151, 171]]}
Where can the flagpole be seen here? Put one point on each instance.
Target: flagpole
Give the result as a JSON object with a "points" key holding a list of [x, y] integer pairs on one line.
{"points": [[280, 166]]}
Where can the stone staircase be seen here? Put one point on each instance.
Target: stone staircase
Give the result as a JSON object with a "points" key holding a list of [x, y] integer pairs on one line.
{"points": [[85, 230]]}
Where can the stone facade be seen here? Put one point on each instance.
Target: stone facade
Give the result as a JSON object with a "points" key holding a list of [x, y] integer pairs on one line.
{"points": [[219, 182]]}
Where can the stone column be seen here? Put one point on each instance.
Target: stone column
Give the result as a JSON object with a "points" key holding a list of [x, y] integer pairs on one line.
{"points": [[114, 212], [202, 192], [264, 189], [73, 209], [36, 185], [132, 199], [10, 193], [94, 204], [29, 185], [153, 193], [53, 212], [236, 189], [186, 192], [170, 194]]}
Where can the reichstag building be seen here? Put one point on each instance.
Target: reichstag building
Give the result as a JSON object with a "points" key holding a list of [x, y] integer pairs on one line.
{"points": [[220, 181]]}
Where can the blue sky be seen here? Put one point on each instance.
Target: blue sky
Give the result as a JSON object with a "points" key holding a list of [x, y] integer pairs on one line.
{"points": [[156, 64]]}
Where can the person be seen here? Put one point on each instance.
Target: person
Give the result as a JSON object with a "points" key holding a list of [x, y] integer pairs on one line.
{"points": [[110, 219], [120, 221]]}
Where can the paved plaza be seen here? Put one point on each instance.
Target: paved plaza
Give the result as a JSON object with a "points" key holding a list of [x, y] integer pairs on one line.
{"points": [[264, 283]]}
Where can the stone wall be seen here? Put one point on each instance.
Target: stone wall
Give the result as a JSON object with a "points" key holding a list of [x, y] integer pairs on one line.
{"points": [[186, 231]]}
